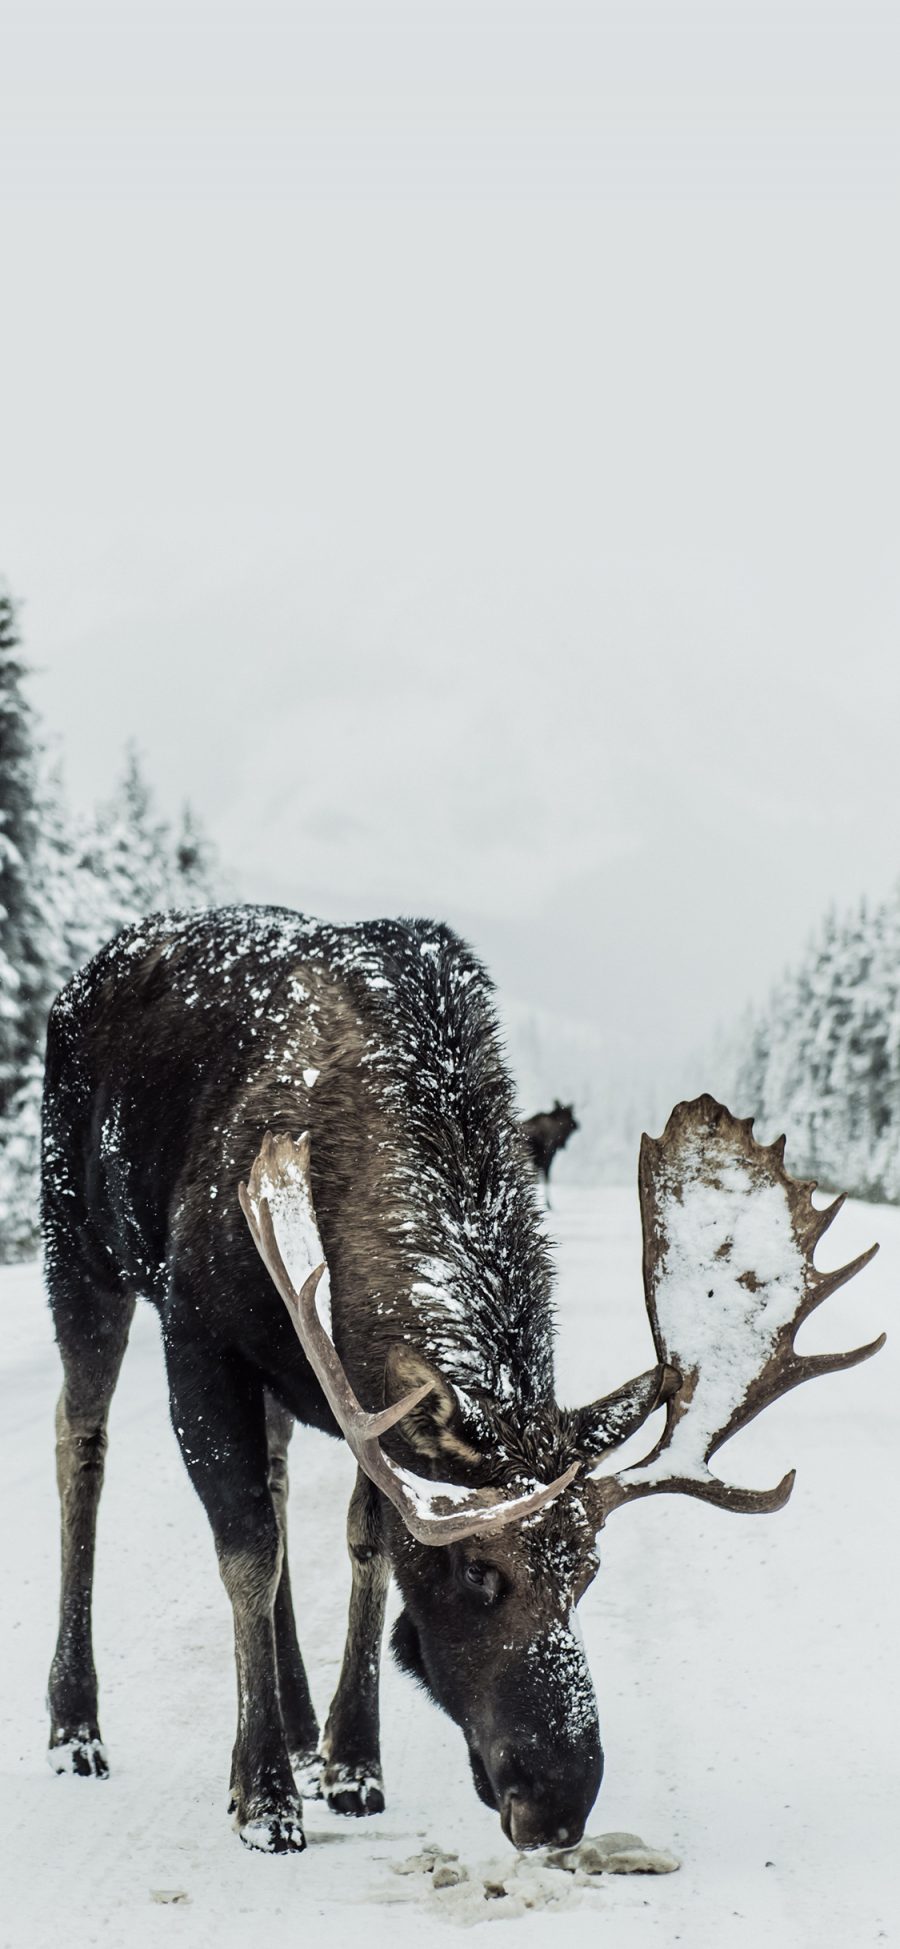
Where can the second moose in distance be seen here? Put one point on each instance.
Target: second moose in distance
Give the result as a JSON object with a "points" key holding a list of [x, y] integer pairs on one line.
{"points": [[545, 1134]]}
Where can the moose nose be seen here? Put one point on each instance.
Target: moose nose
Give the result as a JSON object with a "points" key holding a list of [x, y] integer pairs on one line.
{"points": [[543, 1800], [529, 1820]]}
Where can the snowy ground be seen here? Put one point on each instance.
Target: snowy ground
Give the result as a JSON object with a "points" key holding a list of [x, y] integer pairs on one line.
{"points": [[746, 1669]]}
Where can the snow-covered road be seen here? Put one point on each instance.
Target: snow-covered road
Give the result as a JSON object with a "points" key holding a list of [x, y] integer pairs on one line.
{"points": [[746, 1667]]}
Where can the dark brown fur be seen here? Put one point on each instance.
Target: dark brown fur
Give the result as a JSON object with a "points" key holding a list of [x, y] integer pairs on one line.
{"points": [[168, 1058]]}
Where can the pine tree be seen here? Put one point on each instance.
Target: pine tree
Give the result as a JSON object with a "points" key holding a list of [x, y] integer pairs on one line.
{"points": [[25, 976], [67, 886], [822, 1060], [128, 863], [33, 946], [125, 852]]}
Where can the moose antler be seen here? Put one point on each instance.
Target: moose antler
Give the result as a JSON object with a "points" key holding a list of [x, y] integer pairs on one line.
{"points": [[277, 1204], [728, 1278]]}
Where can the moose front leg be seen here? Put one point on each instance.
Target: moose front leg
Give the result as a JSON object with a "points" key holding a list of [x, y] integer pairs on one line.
{"points": [[263, 1799], [351, 1774], [226, 1451], [301, 1728]]}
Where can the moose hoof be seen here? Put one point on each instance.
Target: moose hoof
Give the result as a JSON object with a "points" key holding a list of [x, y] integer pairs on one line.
{"points": [[277, 1832], [80, 1751], [307, 1770], [353, 1790]]}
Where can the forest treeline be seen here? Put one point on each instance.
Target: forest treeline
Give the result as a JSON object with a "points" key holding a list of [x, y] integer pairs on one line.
{"points": [[68, 882], [822, 1058]]}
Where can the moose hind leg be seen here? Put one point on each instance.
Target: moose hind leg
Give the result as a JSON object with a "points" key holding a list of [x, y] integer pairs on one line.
{"points": [[218, 1411], [351, 1774], [92, 1330], [301, 1727]]}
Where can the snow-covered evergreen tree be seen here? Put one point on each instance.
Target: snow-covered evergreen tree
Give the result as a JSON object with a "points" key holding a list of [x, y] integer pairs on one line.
{"points": [[127, 862], [26, 950], [66, 886], [822, 1060]]}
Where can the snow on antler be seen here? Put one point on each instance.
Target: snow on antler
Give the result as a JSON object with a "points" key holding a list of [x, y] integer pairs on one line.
{"points": [[280, 1175], [729, 1276]]}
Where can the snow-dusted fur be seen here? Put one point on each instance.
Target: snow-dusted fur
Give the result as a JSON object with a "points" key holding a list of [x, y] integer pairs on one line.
{"points": [[190, 1035], [169, 1056]]}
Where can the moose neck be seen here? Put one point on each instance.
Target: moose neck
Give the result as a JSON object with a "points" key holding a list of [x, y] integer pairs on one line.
{"points": [[455, 1261]]}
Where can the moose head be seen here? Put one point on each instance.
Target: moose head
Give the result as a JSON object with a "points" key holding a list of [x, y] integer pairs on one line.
{"points": [[492, 1533]]}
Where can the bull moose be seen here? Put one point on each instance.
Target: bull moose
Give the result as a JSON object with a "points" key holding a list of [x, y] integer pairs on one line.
{"points": [[402, 1233]]}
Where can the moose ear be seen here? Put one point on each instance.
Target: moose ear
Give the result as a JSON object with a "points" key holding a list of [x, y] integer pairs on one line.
{"points": [[435, 1427], [608, 1423]]}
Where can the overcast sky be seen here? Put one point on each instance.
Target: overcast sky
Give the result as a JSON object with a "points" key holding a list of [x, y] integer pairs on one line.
{"points": [[461, 443]]}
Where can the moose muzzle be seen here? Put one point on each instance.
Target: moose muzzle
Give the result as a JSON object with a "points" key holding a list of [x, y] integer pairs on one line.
{"points": [[538, 1759], [543, 1797]]}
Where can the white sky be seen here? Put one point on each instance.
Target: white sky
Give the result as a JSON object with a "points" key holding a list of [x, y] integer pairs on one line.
{"points": [[462, 444]]}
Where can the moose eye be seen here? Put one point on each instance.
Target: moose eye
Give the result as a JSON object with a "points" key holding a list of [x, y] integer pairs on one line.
{"points": [[483, 1581]]}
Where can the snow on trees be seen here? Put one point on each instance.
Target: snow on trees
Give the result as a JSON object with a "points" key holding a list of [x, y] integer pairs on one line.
{"points": [[26, 983], [822, 1060], [67, 884]]}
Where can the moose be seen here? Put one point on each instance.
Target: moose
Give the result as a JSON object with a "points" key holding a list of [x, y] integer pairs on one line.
{"points": [[545, 1134], [299, 1141]]}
